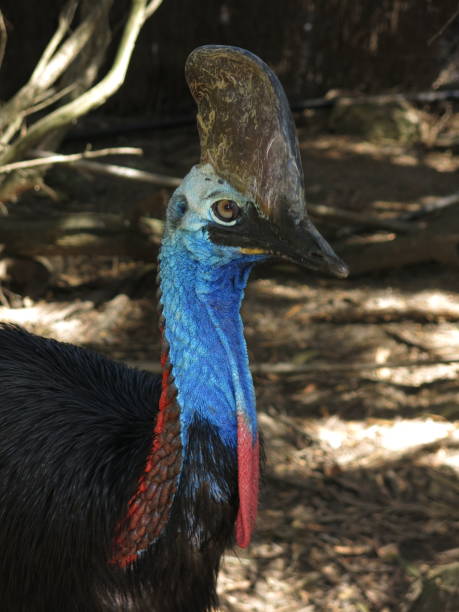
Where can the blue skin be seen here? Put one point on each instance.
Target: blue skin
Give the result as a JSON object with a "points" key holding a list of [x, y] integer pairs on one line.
{"points": [[202, 286]]}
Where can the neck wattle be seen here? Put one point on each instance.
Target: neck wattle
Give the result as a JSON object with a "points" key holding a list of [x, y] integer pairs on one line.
{"points": [[206, 350]]}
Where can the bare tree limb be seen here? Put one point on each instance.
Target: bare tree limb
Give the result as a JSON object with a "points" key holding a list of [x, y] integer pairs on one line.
{"points": [[92, 98], [65, 19], [71, 47], [129, 173], [152, 7], [41, 78], [426, 97], [68, 159], [11, 130]]}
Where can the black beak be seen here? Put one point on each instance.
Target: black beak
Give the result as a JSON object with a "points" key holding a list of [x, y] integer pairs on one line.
{"points": [[309, 248], [300, 243], [248, 136]]}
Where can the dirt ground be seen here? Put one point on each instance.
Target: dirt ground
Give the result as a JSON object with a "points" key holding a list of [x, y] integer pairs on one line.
{"points": [[356, 383]]}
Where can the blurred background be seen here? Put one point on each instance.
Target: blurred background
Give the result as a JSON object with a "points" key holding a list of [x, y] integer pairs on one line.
{"points": [[356, 379]]}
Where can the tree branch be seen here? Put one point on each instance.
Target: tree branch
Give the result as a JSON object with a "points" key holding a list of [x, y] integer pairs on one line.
{"points": [[68, 159], [437, 241], [129, 173], [92, 98], [70, 48], [292, 369], [50, 97]]}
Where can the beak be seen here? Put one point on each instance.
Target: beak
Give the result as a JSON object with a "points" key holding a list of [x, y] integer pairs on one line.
{"points": [[248, 136], [301, 243], [309, 248]]}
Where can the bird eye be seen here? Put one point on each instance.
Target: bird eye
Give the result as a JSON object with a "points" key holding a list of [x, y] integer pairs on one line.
{"points": [[226, 211]]}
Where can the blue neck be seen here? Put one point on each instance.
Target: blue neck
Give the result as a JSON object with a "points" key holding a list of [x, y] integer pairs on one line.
{"points": [[203, 327]]}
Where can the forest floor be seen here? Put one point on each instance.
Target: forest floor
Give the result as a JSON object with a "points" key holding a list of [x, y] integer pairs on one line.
{"points": [[360, 502]]}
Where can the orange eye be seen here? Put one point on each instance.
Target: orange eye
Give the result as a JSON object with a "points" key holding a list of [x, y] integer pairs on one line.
{"points": [[226, 210]]}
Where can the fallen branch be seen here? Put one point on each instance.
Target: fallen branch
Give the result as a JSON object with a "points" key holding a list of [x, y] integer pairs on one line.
{"points": [[52, 98], [81, 234], [151, 8], [129, 173], [290, 368], [360, 219], [57, 158], [438, 241]]}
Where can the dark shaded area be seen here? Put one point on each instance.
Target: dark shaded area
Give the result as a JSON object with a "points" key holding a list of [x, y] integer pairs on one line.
{"points": [[313, 46]]}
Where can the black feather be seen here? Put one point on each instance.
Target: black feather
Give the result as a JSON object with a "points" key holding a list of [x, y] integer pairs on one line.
{"points": [[75, 430]]}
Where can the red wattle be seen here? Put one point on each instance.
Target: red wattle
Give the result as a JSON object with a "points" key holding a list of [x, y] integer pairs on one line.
{"points": [[248, 455]]}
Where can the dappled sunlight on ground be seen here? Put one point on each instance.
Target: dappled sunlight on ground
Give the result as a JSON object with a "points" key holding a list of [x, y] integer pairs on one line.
{"points": [[361, 487], [366, 443]]}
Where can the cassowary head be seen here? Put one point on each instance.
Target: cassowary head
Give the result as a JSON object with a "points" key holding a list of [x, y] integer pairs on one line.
{"points": [[245, 200]]}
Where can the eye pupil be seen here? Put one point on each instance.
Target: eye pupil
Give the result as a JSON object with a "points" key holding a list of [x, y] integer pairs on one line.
{"points": [[226, 210]]}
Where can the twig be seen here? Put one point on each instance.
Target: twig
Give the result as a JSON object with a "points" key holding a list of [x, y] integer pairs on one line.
{"points": [[70, 49], [437, 204], [446, 25], [437, 241], [65, 19], [11, 130], [43, 77], [50, 98], [3, 37], [152, 7], [129, 173], [46, 98], [289, 368], [68, 159]]}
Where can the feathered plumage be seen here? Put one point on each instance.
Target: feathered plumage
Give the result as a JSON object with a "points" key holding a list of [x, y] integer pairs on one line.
{"points": [[73, 445]]}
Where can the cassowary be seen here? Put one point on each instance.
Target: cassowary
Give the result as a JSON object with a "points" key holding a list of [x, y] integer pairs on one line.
{"points": [[120, 490]]}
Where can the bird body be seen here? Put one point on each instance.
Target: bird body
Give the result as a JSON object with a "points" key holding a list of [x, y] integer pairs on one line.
{"points": [[120, 490], [71, 461]]}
